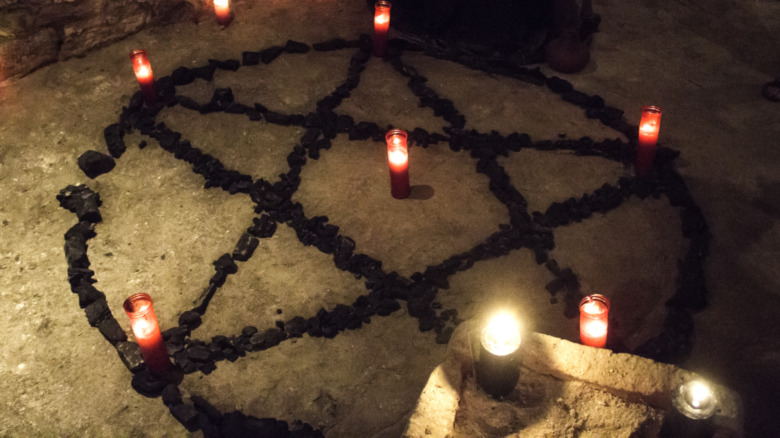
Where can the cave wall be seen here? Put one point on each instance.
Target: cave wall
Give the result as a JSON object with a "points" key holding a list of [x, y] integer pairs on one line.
{"points": [[34, 33]]}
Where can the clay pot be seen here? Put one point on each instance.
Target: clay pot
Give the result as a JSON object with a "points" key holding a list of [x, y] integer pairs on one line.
{"points": [[567, 54]]}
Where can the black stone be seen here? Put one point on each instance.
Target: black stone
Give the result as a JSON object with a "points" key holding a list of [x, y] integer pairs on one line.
{"points": [[87, 293], [186, 415], [130, 353], [271, 53], [78, 275], [81, 200], [94, 163], [334, 44], [237, 108], [264, 226], [245, 247], [198, 353], [171, 395], [221, 99], [277, 118], [147, 384], [558, 85], [254, 115], [76, 253], [97, 312], [250, 58], [182, 76], [205, 72], [296, 327], [190, 319], [114, 136], [296, 47], [248, 331], [226, 264], [176, 334], [112, 331], [228, 64], [204, 407], [188, 103]]}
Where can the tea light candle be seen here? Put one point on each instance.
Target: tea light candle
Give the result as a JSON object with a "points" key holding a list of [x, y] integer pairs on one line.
{"points": [[497, 370], [222, 9], [594, 310], [147, 332], [143, 72], [398, 159], [649, 126], [695, 400], [381, 26]]}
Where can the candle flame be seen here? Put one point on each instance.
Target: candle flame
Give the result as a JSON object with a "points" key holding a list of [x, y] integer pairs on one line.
{"points": [[382, 18], [501, 336], [593, 308], [143, 71], [594, 329], [649, 128], [700, 394], [398, 156], [221, 3], [142, 328]]}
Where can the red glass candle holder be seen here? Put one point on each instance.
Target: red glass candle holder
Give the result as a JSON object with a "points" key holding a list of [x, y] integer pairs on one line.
{"points": [[594, 311], [147, 332], [143, 72], [381, 26], [649, 126], [398, 159], [222, 10]]}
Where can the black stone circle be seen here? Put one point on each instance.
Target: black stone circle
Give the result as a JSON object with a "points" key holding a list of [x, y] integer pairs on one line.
{"points": [[385, 291]]}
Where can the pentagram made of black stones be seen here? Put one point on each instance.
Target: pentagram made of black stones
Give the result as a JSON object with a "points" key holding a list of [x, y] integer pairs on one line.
{"points": [[273, 204]]}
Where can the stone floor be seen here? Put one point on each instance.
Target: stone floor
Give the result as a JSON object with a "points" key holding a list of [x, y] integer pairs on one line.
{"points": [[703, 63]]}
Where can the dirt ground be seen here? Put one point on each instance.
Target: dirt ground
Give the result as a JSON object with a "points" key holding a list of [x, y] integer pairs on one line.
{"points": [[702, 63]]}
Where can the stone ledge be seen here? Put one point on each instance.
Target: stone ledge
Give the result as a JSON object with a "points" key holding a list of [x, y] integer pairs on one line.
{"points": [[632, 378]]}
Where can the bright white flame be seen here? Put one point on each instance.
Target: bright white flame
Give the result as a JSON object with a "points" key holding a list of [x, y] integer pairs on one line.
{"points": [[382, 18], [649, 128], [593, 308], [142, 328], [594, 329], [397, 157], [143, 71], [220, 3], [501, 336], [700, 395]]}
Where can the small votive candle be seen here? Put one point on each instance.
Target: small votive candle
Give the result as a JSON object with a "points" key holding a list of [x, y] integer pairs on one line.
{"points": [[497, 370], [649, 126], [381, 27], [222, 10], [147, 332], [695, 400], [398, 159], [144, 75], [594, 310]]}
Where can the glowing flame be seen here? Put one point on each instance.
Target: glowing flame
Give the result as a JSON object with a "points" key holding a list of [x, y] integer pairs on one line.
{"points": [[501, 336], [221, 3], [649, 128], [699, 395], [397, 157], [593, 308], [594, 329], [382, 18]]}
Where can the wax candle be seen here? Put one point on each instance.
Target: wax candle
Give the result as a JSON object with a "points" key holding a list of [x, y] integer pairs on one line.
{"points": [[497, 370], [147, 332], [398, 159], [649, 125], [143, 72], [695, 400], [381, 26], [594, 310], [222, 9]]}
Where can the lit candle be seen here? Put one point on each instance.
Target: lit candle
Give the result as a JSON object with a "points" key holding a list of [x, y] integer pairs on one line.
{"points": [[497, 371], [695, 400], [381, 25], [398, 159], [594, 310], [222, 9], [143, 72], [147, 332], [649, 125]]}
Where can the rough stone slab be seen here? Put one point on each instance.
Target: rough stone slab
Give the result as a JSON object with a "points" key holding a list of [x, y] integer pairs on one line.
{"points": [[633, 378]]}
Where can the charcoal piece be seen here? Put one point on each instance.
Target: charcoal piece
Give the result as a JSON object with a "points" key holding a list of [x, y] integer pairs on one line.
{"points": [[226, 264], [207, 367], [271, 53], [344, 123], [176, 334], [228, 64], [595, 102], [296, 47], [147, 384], [609, 113], [184, 363], [94, 163], [245, 247], [264, 226], [79, 275], [171, 395], [280, 325], [97, 312], [559, 85], [204, 407], [130, 353], [577, 98], [76, 253], [186, 415], [277, 118], [166, 91], [266, 339], [190, 319], [111, 330], [87, 293], [248, 331], [198, 353], [297, 119], [250, 58], [236, 108], [594, 113], [254, 115], [114, 136], [310, 136], [230, 354], [296, 327], [182, 76], [205, 72], [260, 107], [188, 103], [387, 306], [221, 99], [334, 44]]}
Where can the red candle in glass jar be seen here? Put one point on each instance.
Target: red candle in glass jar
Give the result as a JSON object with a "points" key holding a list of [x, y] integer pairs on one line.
{"points": [[222, 9], [398, 158], [594, 310], [143, 72], [381, 26], [649, 126], [147, 332]]}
